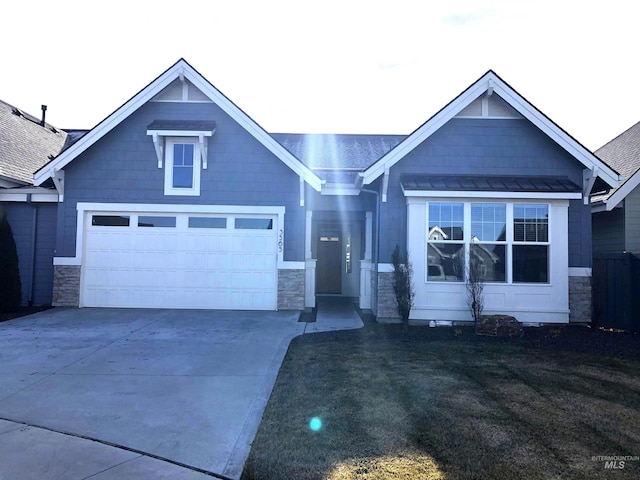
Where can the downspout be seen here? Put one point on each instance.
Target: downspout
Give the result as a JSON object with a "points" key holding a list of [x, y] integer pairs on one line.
{"points": [[32, 272], [376, 250]]}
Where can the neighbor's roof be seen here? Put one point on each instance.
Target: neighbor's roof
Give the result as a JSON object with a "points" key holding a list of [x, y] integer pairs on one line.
{"points": [[341, 151], [25, 145], [623, 155]]}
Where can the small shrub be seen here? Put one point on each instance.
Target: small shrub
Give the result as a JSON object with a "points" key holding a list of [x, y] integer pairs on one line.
{"points": [[475, 286], [402, 285]]}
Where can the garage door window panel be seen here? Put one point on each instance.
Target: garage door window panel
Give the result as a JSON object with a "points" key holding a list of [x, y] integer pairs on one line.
{"points": [[147, 221]]}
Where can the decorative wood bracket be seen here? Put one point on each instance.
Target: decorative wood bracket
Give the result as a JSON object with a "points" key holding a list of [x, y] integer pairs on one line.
{"points": [[588, 179], [301, 191], [58, 181], [204, 149], [385, 184], [158, 143]]}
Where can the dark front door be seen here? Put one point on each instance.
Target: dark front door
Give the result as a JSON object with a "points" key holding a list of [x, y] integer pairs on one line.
{"points": [[329, 263]]}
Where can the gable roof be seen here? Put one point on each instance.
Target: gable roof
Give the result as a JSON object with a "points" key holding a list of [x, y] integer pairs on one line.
{"points": [[181, 69], [25, 145], [338, 151], [489, 83], [622, 154]]}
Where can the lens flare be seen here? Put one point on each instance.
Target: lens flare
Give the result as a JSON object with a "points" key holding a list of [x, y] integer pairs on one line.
{"points": [[315, 424]]}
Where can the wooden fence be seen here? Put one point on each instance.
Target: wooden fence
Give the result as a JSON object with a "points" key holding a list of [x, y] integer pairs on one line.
{"points": [[616, 291]]}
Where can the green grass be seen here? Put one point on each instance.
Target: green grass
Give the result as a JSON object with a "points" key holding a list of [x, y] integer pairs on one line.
{"points": [[447, 406]]}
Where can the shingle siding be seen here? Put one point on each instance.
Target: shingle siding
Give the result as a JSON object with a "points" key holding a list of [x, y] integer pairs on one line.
{"points": [[122, 167], [486, 147], [21, 216]]}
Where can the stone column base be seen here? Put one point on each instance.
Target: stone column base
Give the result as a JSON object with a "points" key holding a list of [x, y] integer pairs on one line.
{"points": [[291, 289], [580, 310], [66, 286]]}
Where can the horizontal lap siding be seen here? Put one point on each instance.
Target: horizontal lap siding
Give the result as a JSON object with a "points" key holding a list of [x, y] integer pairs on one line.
{"points": [[485, 147], [608, 231], [20, 217], [632, 221], [122, 168]]}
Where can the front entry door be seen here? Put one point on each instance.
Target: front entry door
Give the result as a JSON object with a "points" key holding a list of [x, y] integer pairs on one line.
{"points": [[329, 263]]}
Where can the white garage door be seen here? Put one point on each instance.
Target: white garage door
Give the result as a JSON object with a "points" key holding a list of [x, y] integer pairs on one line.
{"points": [[180, 261]]}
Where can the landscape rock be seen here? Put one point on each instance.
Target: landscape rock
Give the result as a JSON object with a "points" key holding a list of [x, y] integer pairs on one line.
{"points": [[499, 326]]}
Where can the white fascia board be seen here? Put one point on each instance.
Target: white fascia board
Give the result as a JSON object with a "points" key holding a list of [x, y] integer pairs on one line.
{"points": [[621, 193], [504, 195], [104, 127], [38, 195], [555, 133], [252, 127], [425, 131], [151, 90], [491, 80]]}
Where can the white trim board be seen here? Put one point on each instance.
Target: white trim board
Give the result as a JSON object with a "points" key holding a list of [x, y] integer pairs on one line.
{"points": [[180, 69], [490, 81]]}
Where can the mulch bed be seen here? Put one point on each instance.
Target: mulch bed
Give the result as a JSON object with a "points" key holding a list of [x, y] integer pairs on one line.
{"points": [[22, 311], [558, 338]]}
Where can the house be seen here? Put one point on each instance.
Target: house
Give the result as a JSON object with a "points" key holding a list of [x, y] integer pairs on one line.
{"points": [[616, 214], [26, 144], [179, 199]]}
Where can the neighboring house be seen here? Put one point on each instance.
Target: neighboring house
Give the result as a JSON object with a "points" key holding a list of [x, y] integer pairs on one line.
{"points": [[616, 215], [178, 199], [26, 144]]}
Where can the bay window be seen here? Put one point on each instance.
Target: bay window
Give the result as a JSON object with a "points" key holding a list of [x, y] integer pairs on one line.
{"points": [[509, 241]]}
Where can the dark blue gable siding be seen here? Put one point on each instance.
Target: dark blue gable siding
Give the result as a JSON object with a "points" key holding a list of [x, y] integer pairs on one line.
{"points": [[37, 283], [486, 147], [122, 167]]}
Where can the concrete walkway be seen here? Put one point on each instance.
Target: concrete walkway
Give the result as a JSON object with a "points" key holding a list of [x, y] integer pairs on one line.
{"points": [[142, 394]]}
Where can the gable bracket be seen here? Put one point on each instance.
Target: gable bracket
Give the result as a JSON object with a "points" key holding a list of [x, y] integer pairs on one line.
{"points": [[158, 143], [588, 179], [58, 180], [385, 183], [204, 149]]}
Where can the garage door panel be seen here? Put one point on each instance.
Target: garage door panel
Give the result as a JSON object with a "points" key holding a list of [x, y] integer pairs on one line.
{"points": [[181, 267]]}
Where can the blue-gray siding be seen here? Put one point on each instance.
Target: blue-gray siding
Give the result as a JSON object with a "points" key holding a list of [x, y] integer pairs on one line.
{"points": [[37, 283], [122, 168], [608, 231], [486, 147], [632, 221]]}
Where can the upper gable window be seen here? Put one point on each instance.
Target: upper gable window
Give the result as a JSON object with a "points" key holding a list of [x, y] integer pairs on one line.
{"points": [[182, 170], [182, 146]]}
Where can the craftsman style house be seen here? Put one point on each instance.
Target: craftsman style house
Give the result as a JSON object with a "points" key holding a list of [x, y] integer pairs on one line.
{"points": [[178, 199]]}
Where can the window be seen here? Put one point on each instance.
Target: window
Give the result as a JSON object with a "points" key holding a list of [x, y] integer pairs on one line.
{"points": [[509, 241], [110, 220], [445, 246], [207, 222], [254, 223], [147, 221], [530, 243], [182, 170], [488, 239]]}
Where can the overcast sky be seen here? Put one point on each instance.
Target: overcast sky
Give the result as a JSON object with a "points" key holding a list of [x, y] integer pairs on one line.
{"points": [[329, 66]]}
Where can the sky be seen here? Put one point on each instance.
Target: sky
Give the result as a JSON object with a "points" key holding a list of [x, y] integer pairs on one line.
{"points": [[329, 66]]}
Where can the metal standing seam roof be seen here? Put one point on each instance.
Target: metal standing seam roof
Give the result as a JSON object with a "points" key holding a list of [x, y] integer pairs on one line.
{"points": [[623, 155], [25, 145], [185, 125], [473, 183]]}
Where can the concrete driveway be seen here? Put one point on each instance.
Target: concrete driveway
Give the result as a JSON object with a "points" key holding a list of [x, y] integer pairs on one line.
{"points": [[187, 387]]}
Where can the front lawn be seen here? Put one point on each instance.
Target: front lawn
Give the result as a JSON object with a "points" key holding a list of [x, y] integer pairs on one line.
{"points": [[443, 403]]}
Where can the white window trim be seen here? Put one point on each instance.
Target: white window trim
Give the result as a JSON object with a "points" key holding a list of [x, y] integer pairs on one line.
{"points": [[531, 302], [509, 241], [169, 189]]}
